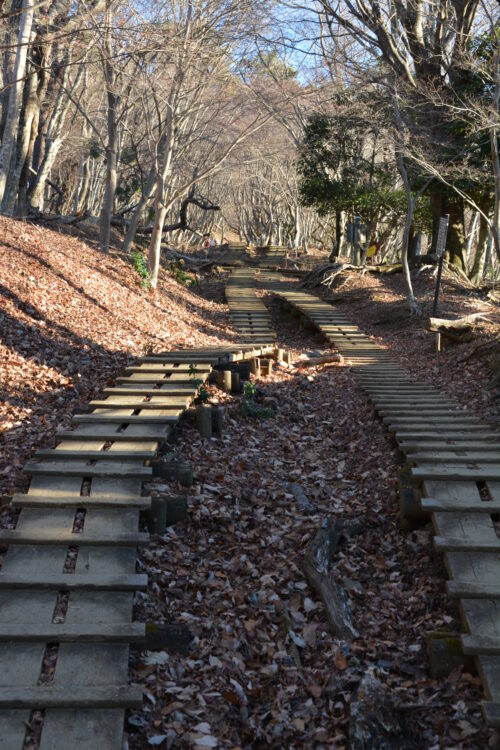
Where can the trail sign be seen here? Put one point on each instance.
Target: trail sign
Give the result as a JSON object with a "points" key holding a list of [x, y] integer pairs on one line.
{"points": [[442, 233], [440, 248]]}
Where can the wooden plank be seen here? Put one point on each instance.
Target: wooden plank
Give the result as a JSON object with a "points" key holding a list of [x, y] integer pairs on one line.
{"points": [[173, 390], [63, 633], [474, 645], [449, 445], [461, 436], [167, 368], [101, 418], [171, 402], [446, 544], [464, 590], [459, 505], [73, 581], [72, 696], [83, 469], [33, 500], [447, 456], [155, 434], [457, 472], [58, 536], [132, 455]]}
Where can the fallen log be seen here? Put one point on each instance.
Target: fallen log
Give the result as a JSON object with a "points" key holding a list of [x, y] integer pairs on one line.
{"points": [[325, 359], [314, 565], [460, 330]]}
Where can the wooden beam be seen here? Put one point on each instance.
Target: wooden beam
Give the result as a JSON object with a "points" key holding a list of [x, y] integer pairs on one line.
{"points": [[71, 696], [72, 469], [75, 581], [129, 455], [459, 505], [133, 632], [446, 544], [475, 590], [68, 538], [32, 500], [480, 645], [116, 437]]}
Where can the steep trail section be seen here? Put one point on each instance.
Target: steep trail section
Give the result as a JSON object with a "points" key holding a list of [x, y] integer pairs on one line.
{"points": [[68, 578], [248, 314], [455, 456]]}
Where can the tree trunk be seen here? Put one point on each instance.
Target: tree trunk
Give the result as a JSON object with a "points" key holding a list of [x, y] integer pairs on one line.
{"points": [[478, 265], [112, 144], [53, 139], [495, 158], [10, 136]]}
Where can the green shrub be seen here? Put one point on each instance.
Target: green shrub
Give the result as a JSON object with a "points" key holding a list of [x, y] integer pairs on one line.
{"points": [[141, 266]]}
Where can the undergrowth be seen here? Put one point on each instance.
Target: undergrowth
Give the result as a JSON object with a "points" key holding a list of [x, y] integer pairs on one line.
{"points": [[141, 266]]}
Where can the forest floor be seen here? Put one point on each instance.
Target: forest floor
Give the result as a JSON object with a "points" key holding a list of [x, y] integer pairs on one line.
{"points": [[264, 671]]}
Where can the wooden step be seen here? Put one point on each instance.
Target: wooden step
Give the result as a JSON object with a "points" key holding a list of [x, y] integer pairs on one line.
{"points": [[459, 505], [127, 418], [172, 403], [404, 436], [447, 544], [75, 582], [81, 469], [449, 445], [173, 390], [480, 645], [32, 500], [133, 632], [453, 456], [115, 437], [475, 590], [68, 538], [458, 472], [71, 697], [62, 453]]}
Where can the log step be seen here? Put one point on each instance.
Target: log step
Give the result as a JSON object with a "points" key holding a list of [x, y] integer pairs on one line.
{"points": [[133, 632], [452, 456], [447, 544], [68, 538], [75, 581], [462, 590], [77, 469], [70, 501], [459, 505], [71, 696]]}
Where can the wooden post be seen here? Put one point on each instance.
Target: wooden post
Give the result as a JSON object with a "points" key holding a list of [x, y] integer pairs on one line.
{"points": [[174, 470], [279, 355], [235, 382], [176, 509], [445, 655], [227, 380], [204, 420], [438, 341], [267, 366], [167, 637], [255, 366], [157, 515], [217, 419], [287, 358]]}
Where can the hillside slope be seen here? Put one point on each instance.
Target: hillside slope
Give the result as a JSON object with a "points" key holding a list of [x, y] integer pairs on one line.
{"points": [[70, 318]]}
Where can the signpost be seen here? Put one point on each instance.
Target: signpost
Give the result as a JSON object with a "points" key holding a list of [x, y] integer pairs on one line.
{"points": [[440, 248]]}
